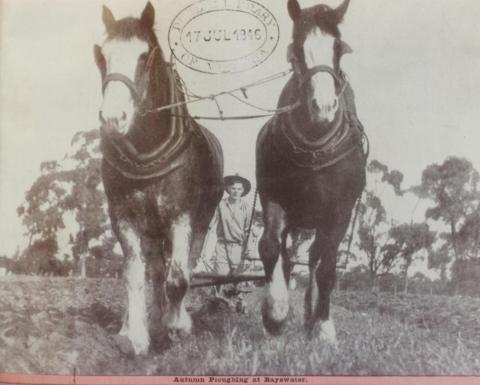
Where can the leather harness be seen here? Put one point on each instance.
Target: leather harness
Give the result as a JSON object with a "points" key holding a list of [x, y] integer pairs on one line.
{"points": [[121, 154], [343, 137]]}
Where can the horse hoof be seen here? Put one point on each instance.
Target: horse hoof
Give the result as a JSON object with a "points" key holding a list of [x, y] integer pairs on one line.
{"points": [[328, 334], [124, 344], [179, 321], [272, 325], [177, 335]]}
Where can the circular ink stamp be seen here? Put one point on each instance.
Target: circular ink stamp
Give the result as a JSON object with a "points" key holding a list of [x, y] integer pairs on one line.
{"points": [[223, 36]]}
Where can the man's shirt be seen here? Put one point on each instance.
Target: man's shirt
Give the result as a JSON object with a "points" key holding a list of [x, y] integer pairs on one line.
{"points": [[232, 220]]}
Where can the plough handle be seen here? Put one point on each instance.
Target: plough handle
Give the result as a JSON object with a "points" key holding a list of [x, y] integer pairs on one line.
{"points": [[205, 280]]}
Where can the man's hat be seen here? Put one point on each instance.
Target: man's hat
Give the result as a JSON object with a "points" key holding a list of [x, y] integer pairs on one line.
{"points": [[231, 179]]}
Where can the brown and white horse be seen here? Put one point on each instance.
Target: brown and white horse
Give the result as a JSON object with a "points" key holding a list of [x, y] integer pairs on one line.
{"points": [[310, 167], [162, 173]]}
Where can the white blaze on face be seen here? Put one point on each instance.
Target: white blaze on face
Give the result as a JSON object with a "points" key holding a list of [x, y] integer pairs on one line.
{"points": [[121, 57], [319, 50]]}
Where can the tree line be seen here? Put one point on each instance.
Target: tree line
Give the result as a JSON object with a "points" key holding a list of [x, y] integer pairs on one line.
{"points": [[68, 232], [65, 217], [451, 190]]}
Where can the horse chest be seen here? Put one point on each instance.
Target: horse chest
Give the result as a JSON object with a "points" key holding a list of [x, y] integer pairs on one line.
{"points": [[149, 210], [312, 192]]}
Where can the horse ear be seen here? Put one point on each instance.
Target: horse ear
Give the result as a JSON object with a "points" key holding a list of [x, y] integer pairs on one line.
{"points": [[294, 9], [341, 10], [108, 19], [148, 16]]}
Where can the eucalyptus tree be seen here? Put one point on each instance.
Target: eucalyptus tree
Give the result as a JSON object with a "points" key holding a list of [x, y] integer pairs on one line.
{"points": [[406, 242], [373, 235], [452, 186], [70, 186]]}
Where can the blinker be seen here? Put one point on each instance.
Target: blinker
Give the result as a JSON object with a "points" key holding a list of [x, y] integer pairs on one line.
{"points": [[290, 53], [342, 47]]}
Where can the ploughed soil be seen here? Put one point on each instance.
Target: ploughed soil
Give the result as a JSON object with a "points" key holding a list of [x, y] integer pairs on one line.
{"points": [[70, 326], [62, 325]]}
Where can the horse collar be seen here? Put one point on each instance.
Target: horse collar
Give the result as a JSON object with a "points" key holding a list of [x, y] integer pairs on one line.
{"points": [[338, 142], [122, 155]]}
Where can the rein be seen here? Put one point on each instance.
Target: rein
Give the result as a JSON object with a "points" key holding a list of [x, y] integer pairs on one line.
{"points": [[138, 91], [193, 98]]}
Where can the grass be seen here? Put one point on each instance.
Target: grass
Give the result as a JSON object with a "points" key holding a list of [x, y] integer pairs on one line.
{"points": [[378, 335], [369, 344]]}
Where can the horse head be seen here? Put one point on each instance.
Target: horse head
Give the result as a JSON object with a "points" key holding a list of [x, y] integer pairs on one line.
{"points": [[125, 60], [315, 56]]}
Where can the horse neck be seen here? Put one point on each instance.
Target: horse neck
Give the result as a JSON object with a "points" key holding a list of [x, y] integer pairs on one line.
{"points": [[155, 129]]}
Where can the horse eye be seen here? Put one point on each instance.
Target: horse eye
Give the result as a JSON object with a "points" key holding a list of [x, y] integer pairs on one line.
{"points": [[143, 57]]}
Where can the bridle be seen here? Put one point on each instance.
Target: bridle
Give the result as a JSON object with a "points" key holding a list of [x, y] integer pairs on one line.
{"points": [[339, 77], [122, 155], [304, 74], [339, 140], [138, 87]]}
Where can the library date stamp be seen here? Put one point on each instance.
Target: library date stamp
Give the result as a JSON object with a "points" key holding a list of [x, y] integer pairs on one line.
{"points": [[223, 36]]}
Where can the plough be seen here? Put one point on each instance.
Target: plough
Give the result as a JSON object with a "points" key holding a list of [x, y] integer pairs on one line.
{"points": [[206, 279]]}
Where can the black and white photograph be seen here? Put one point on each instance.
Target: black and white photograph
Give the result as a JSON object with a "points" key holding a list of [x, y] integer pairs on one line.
{"points": [[239, 188]]}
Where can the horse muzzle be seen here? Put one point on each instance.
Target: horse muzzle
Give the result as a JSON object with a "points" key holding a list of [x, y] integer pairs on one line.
{"points": [[323, 96], [323, 112], [112, 128], [118, 109]]}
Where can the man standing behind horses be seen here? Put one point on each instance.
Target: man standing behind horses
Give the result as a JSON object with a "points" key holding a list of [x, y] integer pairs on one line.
{"points": [[231, 224]]}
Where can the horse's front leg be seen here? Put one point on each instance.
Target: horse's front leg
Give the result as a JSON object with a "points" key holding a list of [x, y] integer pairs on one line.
{"points": [[271, 246], [322, 266], [323, 270], [135, 322], [176, 318]]}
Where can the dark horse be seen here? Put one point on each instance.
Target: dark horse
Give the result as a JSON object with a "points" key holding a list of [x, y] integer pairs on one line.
{"points": [[161, 171], [310, 167]]}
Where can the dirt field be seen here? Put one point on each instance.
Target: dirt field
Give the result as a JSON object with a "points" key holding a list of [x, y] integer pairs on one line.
{"points": [[56, 326]]}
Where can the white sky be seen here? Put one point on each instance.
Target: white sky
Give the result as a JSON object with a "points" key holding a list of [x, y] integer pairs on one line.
{"points": [[414, 71]]}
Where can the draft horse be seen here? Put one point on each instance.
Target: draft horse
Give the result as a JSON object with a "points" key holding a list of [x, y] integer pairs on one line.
{"points": [[310, 167], [162, 174]]}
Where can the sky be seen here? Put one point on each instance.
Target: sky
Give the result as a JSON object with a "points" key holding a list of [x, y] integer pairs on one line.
{"points": [[414, 70]]}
